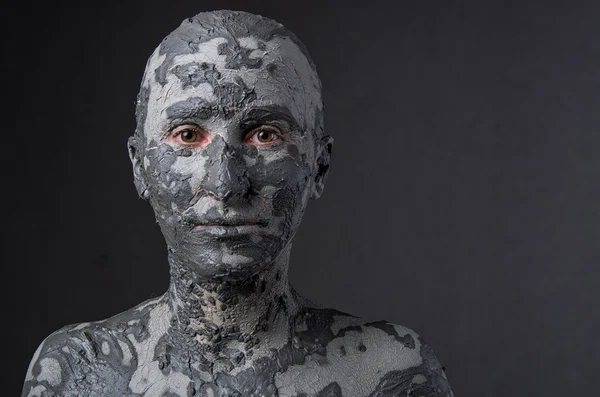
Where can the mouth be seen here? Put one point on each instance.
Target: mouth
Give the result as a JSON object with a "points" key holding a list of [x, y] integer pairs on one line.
{"points": [[230, 223], [229, 228]]}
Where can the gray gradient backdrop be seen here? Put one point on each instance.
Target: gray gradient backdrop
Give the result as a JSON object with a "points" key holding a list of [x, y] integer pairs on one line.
{"points": [[463, 199]]}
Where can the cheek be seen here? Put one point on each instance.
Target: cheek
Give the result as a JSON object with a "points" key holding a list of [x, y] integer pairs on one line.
{"points": [[173, 177], [282, 180]]}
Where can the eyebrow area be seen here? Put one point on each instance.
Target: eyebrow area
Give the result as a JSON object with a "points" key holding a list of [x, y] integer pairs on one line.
{"points": [[198, 109], [270, 114], [194, 108]]}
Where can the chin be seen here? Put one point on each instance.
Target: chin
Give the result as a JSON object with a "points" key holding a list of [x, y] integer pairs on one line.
{"points": [[230, 257]]}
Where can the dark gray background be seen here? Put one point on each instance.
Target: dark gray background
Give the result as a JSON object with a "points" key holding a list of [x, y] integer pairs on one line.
{"points": [[463, 199]]}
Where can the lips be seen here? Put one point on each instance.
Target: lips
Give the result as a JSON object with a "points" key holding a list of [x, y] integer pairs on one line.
{"points": [[230, 222], [229, 228]]}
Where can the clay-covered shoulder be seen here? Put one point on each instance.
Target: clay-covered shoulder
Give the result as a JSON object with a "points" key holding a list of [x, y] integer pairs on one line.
{"points": [[368, 358], [87, 359], [328, 325], [60, 362], [412, 370]]}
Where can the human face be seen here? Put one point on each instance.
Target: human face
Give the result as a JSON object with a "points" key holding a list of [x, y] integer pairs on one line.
{"points": [[229, 159]]}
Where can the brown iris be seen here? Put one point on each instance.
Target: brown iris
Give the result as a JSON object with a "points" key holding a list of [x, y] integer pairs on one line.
{"points": [[263, 135], [190, 134]]}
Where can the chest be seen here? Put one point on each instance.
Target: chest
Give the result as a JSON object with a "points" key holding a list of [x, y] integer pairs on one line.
{"points": [[339, 369]]}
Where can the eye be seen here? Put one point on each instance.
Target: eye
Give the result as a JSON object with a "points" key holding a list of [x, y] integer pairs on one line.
{"points": [[263, 135], [190, 134]]}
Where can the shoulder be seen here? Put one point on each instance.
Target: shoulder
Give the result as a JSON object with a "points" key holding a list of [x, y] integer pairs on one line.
{"points": [[407, 364], [63, 360], [334, 328], [86, 358], [417, 373], [378, 358]]}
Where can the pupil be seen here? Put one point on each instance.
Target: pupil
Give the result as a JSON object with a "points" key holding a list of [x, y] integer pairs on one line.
{"points": [[264, 135], [187, 135]]}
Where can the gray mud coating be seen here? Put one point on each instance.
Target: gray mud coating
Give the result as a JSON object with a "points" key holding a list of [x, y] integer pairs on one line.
{"points": [[315, 333], [230, 325]]}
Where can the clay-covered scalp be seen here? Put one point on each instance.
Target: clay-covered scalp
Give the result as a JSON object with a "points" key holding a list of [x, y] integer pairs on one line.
{"points": [[228, 150]]}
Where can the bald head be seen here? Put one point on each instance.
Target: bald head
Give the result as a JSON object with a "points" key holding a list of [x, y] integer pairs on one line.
{"points": [[229, 60]]}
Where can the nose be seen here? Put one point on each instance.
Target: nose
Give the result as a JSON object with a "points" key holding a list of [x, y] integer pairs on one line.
{"points": [[227, 176]]}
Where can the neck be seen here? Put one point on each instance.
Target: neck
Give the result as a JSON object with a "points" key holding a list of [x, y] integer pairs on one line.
{"points": [[215, 311]]}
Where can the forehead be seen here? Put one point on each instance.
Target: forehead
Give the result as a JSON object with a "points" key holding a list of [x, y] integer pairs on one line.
{"points": [[235, 73]]}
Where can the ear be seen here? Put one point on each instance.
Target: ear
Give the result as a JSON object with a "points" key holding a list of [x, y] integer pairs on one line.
{"points": [[139, 179], [323, 159]]}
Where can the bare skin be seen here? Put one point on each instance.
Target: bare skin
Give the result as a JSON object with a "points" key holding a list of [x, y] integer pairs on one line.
{"points": [[228, 151]]}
